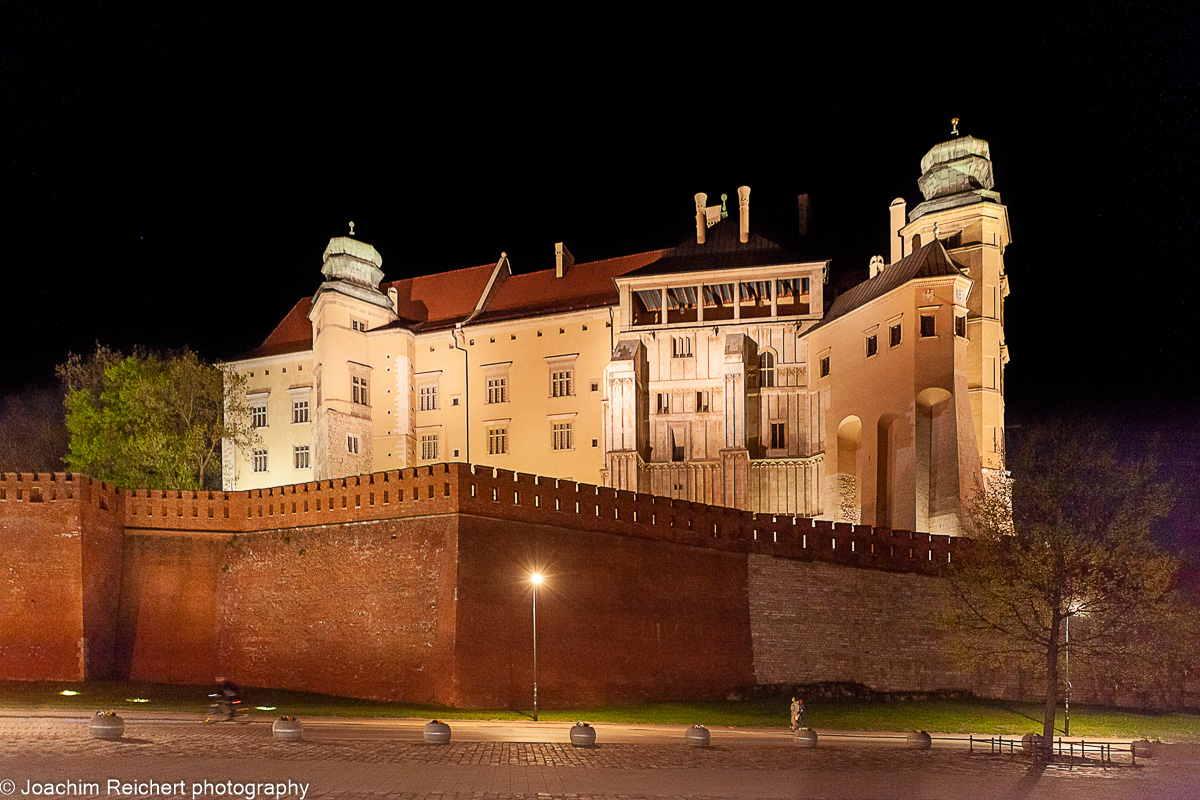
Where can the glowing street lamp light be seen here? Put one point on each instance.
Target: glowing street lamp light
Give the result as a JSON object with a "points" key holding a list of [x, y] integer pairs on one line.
{"points": [[536, 579]]}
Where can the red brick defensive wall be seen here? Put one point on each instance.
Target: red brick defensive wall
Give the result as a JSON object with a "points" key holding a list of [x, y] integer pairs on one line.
{"points": [[413, 585]]}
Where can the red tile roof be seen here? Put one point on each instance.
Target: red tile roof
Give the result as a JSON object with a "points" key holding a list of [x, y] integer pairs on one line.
{"points": [[586, 285], [445, 298], [433, 302]]}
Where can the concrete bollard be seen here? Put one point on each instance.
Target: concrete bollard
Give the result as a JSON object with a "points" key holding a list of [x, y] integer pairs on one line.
{"points": [[287, 729], [437, 732], [806, 737], [697, 736], [107, 725], [583, 735]]}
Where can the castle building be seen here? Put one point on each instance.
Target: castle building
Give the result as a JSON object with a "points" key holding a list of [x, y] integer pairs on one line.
{"points": [[712, 371]]}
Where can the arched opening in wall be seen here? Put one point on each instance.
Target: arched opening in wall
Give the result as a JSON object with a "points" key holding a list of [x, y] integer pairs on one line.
{"points": [[885, 475], [849, 436], [916, 243], [934, 412]]}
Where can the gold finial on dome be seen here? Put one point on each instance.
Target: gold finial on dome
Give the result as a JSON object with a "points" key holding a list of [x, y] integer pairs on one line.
{"points": [[351, 227], [954, 126]]}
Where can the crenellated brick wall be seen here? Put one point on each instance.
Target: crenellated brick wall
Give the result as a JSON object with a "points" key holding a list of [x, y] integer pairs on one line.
{"points": [[413, 585]]}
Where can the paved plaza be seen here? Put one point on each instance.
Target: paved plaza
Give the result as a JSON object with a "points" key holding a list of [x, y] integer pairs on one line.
{"points": [[175, 756]]}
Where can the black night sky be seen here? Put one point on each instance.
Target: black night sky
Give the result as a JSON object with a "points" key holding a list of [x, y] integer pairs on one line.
{"points": [[170, 175]]}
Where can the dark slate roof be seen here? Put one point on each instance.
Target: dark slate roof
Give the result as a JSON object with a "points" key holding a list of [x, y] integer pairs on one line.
{"points": [[722, 249], [930, 261]]}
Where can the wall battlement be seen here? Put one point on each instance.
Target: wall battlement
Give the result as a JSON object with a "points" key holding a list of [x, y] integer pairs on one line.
{"points": [[503, 494], [54, 487]]}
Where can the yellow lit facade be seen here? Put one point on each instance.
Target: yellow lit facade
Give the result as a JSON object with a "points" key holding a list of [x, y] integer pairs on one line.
{"points": [[717, 370]]}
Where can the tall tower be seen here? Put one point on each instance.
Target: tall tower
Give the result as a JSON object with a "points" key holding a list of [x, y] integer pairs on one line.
{"points": [[347, 306], [962, 210]]}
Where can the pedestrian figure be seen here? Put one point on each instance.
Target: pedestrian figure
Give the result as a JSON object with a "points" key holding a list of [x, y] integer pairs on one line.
{"points": [[797, 710], [803, 724]]}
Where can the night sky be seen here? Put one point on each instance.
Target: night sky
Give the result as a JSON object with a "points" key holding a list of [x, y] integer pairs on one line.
{"points": [[171, 175]]}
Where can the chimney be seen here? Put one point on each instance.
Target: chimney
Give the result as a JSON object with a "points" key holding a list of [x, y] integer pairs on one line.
{"points": [[897, 212], [805, 213], [701, 216], [563, 260], [744, 206], [877, 265], [394, 296]]}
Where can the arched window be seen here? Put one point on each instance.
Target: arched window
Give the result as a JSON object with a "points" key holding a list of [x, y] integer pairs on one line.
{"points": [[766, 366]]}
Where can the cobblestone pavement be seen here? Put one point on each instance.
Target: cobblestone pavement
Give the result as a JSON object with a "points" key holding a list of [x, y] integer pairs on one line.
{"points": [[184, 755]]}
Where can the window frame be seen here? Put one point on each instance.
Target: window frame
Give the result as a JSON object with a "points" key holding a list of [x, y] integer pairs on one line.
{"points": [[562, 435], [301, 411], [497, 440], [921, 327], [778, 431], [360, 391], [430, 446]]}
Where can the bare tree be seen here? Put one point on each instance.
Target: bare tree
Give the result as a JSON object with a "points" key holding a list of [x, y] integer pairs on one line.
{"points": [[1071, 541]]}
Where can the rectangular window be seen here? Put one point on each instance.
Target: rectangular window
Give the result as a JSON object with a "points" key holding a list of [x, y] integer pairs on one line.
{"points": [[497, 441], [352, 445], [429, 398], [681, 347], [429, 446], [561, 381], [702, 401], [497, 390], [960, 326], [825, 367], [360, 390], [260, 460], [300, 456], [258, 415], [872, 345], [664, 400], [928, 325], [563, 437], [895, 334], [358, 325], [778, 435], [299, 411]]}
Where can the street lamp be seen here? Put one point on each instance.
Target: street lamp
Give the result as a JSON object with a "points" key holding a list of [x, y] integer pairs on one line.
{"points": [[1067, 715], [536, 579], [1074, 608]]}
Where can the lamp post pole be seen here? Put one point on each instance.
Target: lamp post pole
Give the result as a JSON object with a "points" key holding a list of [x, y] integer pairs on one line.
{"points": [[1067, 715], [535, 578]]}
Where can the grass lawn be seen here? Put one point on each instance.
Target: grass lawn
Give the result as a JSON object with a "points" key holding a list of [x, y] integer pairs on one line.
{"points": [[943, 716]]}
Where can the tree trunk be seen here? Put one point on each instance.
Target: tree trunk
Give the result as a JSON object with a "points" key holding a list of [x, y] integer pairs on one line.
{"points": [[1051, 687]]}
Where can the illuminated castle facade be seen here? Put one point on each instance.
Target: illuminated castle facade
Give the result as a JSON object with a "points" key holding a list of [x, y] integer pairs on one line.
{"points": [[712, 371]]}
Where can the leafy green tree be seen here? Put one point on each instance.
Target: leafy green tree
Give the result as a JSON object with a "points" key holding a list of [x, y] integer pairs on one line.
{"points": [[150, 420], [1069, 537]]}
